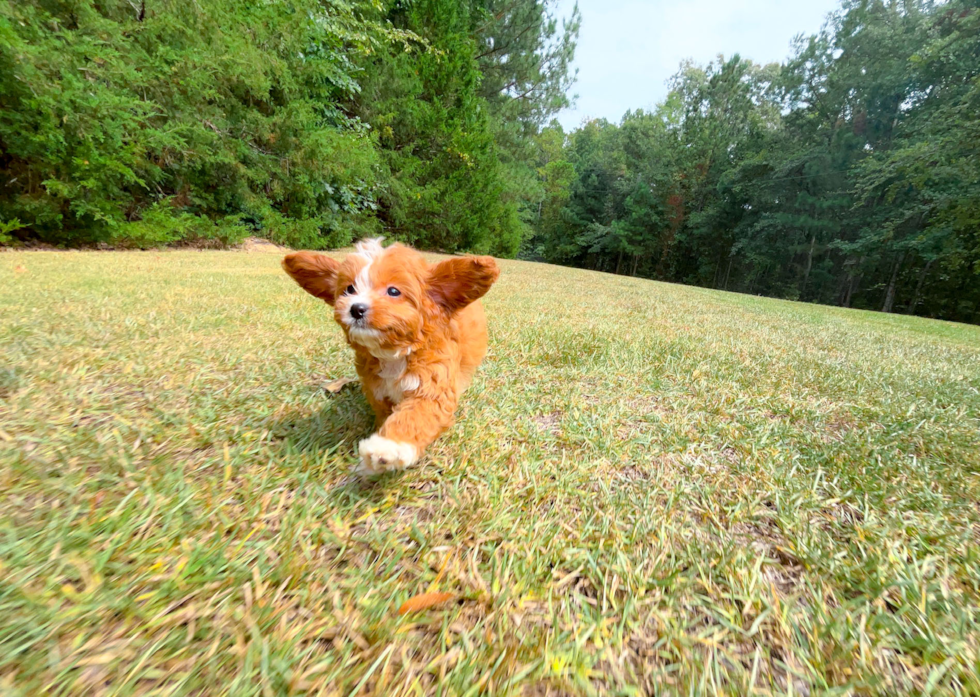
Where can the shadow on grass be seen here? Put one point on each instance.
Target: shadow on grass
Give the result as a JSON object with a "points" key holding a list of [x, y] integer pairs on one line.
{"points": [[315, 441], [343, 418]]}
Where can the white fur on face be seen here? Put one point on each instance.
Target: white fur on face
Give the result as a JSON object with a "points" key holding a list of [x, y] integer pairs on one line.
{"points": [[379, 454], [369, 250], [365, 336]]}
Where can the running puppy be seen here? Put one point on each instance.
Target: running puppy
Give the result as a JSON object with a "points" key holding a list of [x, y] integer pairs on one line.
{"points": [[418, 332]]}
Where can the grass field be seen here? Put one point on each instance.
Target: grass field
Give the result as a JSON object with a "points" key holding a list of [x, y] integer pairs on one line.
{"points": [[650, 489]]}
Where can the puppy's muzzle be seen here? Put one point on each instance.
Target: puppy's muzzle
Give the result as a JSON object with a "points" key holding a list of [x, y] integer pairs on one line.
{"points": [[358, 310]]}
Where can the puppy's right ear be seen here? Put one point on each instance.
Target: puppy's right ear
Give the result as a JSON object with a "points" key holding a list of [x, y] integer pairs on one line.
{"points": [[315, 273]]}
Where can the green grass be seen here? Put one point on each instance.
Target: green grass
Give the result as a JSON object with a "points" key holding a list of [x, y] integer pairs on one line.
{"points": [[650, 489]]}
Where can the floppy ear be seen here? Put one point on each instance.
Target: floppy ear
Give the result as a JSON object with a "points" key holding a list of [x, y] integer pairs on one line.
{"points": [[315, 273], [455, 283]]}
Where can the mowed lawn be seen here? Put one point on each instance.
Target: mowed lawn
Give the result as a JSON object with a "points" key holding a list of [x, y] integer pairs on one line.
{"points": [[651, 489]]}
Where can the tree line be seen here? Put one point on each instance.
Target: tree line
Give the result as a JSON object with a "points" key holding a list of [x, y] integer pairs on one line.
{"points": [[312, 122], [848, 175]]}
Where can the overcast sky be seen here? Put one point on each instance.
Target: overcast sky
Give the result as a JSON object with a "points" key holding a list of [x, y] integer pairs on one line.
{"points": [[628, 49]]}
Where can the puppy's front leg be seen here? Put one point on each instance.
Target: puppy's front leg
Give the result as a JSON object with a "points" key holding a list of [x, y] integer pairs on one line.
{"points": [[405, 435]]}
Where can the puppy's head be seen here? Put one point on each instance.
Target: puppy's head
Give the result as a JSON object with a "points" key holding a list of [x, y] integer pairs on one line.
{"points": [[383, 297]]}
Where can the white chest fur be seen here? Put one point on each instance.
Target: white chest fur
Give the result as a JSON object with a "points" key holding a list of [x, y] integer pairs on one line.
{"points": [[395, 381]]}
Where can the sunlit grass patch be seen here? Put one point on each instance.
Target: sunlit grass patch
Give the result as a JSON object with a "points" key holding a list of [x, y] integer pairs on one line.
{"points": [[650, 488]]}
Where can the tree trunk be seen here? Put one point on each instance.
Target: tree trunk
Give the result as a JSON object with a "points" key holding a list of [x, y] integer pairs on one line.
{"points": [[619, 263], [918, 287], [728, 271], [636, 262], [809, 265], [853, 279], [851, 287], [890, 293]]}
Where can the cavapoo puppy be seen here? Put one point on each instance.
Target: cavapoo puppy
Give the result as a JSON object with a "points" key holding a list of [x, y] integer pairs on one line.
{"points": [[418, 332]]}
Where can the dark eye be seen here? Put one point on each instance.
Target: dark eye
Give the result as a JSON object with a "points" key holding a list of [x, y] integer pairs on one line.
{"points": [[350, 290], [393, 292]]}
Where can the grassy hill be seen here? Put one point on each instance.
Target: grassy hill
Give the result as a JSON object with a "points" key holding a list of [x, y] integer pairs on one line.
{"points": [[650, 487]]}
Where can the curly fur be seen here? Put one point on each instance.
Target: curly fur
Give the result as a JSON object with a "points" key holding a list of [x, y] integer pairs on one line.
{"points": [[416, 352]]}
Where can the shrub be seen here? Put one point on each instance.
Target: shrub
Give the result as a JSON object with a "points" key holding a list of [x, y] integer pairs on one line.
{"points": [[220, 108]]}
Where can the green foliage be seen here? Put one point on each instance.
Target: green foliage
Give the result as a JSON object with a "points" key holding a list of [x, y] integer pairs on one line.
{"points": [[161, 225], [848, 175], [310, 121], [224, 107], [454, 130], [8, 226], [443, 185]]}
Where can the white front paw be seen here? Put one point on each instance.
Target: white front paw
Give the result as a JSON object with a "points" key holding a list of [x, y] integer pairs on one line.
{"points": [[379, 454]]}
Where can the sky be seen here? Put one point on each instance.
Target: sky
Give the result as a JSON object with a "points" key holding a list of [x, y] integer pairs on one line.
{"points": [[628, 49]]}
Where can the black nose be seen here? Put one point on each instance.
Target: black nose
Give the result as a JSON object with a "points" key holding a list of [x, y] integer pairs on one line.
{"points": [[358, 310]]}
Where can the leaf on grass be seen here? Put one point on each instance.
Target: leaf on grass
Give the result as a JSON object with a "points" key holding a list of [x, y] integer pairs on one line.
{"points": [[20, 268], [335, 386], [424, 602]]}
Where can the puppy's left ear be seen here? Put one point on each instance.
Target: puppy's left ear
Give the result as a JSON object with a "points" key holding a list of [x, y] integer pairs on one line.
{"points": [[455, 283], [315, 273]]}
